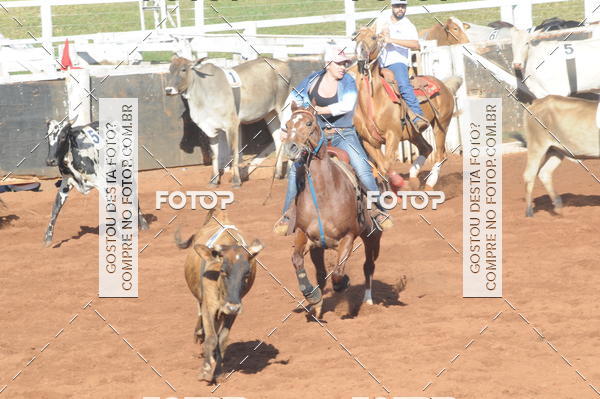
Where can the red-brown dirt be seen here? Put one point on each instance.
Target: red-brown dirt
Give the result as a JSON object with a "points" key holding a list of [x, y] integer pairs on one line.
{"points": [[406, 339]]}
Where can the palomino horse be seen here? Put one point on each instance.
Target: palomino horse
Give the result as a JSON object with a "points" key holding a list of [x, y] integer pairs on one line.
{"points": [[379, 120], [327, 211]]}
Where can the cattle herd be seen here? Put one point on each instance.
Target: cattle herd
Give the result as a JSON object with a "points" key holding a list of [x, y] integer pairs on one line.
{"points": [[220, 266]]}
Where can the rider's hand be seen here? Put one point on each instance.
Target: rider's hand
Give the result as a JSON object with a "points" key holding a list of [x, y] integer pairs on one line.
{"points": [[386, 35]]}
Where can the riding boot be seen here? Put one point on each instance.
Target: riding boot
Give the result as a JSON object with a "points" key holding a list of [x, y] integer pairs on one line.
{"points": [[382, 220], [419, 121], [284, 226]]}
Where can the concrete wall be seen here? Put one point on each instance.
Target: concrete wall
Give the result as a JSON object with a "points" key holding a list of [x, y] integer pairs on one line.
{"points": [[165, 126]]}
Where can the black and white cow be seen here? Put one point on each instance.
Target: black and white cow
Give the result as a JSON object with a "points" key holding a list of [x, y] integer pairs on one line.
{"points": [[73, 150]]}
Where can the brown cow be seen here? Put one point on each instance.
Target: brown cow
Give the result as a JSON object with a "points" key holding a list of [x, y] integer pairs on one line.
{"points": [[558, 127], [219, 271], [453, 32]]}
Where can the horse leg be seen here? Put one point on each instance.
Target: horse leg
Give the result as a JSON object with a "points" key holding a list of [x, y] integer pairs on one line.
{"points": [[534, 160], [371, 242], [317, 255], [440, 153], [340, 280], [312, 294], [554, 159], [376, 155], [391, 149], [424, 151], [61, 198], [235, 147]]}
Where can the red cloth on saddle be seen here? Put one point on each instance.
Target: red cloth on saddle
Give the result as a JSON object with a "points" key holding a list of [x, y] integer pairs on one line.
{"points": [[425, 86]]}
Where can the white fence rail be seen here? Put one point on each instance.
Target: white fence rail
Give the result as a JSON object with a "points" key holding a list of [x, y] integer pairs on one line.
{"points": [[518, 12]]}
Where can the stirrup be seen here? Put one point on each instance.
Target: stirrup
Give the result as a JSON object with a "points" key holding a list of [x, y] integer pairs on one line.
{"points": [[385, 224], [282, 226]]}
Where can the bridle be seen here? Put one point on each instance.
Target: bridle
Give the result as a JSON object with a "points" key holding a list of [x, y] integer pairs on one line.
{"points": [[367, 65], [313, 153], [311, 150]]}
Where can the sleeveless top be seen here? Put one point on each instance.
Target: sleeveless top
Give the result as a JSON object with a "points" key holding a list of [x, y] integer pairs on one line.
{"points": [[324, 102]]}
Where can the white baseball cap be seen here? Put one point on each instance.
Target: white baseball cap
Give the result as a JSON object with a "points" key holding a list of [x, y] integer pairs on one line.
{"points": [[399, 2], [335, 53]]}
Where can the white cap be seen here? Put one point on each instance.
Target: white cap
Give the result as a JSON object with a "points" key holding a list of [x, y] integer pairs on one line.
{"points": [[335, 53], [399, 2]]}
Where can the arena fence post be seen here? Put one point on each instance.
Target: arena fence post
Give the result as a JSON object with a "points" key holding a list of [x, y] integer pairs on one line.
{"points": [[350, 17]]}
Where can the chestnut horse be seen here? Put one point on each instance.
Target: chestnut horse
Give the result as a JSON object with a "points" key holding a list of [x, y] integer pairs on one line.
{"points": [[327, 211], [379, 120]]}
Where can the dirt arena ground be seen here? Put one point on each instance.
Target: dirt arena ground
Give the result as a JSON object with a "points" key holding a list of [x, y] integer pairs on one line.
{"points": [[423, 341]]}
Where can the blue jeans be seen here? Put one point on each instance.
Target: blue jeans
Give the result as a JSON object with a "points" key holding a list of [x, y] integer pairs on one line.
{"points": [[406, 89], [347, 140]]}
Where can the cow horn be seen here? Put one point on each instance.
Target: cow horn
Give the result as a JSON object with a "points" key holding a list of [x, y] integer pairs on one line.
{"points": [[199, 61]]}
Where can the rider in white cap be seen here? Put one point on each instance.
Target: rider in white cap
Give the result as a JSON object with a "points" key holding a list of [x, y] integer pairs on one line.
{"points": [[400, 36]]}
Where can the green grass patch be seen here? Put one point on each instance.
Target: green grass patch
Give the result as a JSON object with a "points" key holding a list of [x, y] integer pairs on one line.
{"points": [[88, 19]]}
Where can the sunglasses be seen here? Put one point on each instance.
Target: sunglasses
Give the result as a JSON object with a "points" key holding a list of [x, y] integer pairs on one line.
{"points": [[345, 64]]}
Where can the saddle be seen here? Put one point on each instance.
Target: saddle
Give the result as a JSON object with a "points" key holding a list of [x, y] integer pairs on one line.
{"points": [[425, 87], [342, 160]]}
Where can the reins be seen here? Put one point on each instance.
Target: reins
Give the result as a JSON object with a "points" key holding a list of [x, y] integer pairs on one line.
{"points": [[313, 153]]}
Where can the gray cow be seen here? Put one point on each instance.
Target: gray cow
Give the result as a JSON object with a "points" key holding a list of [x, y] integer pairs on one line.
{"points": [[218, 111]]}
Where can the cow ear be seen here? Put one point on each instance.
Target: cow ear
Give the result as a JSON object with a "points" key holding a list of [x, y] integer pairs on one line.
{"points": [[466, 25], [205, 252], [294, 106], [255, 247]]}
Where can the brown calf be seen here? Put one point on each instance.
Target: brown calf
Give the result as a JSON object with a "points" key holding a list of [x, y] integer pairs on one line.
{"points": [[219, 270]]}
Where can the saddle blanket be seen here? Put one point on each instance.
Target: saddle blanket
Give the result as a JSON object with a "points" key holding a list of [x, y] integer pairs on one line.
{"points": [[232, 77], [423, 86]]}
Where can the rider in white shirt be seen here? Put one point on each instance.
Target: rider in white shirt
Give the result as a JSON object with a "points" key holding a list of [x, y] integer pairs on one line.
{"points": [[400, 36]]}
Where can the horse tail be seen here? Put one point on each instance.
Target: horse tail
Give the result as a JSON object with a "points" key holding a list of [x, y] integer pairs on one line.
{"points": [[183, 244], [453, 83]]}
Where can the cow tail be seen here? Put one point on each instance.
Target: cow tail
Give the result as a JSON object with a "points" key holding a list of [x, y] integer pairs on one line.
{"points": [[183, 244]]}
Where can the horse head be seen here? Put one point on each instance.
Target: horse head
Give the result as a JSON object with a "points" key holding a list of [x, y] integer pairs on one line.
{"points": [[303, 133], [368, 46]]}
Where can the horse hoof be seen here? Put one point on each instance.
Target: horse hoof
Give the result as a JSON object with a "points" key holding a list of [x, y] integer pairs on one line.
{"points": [[529, 212], [414, 183], [314, 297], [428, 188], [369, 302], [315, 311], [342, 285]]}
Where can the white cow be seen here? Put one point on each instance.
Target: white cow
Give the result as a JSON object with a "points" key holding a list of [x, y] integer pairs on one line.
{"points": [[556, 67]]}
